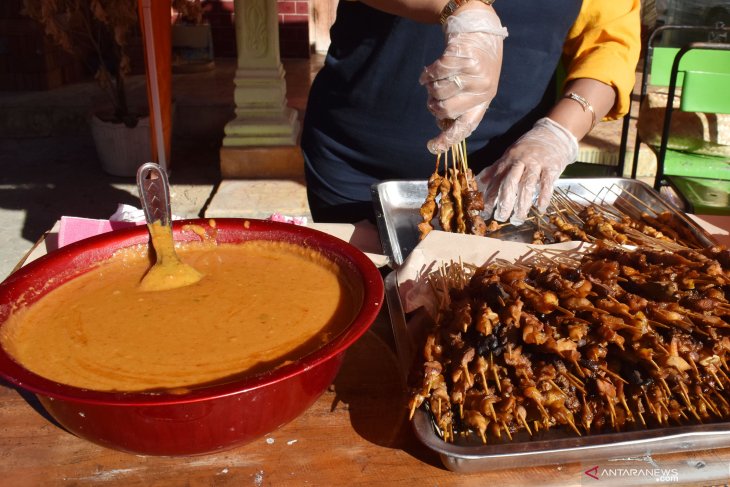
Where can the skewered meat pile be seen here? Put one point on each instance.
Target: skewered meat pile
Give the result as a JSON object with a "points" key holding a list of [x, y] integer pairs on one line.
{"points": [[618, 339], [455, 201], [628, 220], [453, 197]]}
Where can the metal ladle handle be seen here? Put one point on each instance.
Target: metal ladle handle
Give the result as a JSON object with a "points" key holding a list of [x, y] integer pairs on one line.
{"points": [[154, 193]]}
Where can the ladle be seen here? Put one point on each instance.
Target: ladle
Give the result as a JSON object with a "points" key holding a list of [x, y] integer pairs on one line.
{"points": [[168, 271]]}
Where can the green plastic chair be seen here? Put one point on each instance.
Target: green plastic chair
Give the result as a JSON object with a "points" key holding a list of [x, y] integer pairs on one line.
{"points": [[697, 180], [702, 71]]}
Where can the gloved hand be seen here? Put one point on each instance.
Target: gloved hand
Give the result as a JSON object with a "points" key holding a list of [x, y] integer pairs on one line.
{"points": [[528, 168], [463, 81]]}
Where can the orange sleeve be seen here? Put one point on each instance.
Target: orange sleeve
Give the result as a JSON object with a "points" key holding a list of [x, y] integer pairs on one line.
{"points": [[604, 44]]}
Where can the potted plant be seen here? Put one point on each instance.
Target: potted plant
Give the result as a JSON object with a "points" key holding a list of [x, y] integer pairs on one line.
{"points": [[99, 33], [192, 39]]}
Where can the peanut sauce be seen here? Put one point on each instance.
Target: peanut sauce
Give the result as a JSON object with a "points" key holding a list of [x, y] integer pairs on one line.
{"points": [[260, 305]]}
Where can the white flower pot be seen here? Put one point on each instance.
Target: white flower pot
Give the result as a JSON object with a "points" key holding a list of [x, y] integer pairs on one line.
{"points": [[121, 149]]}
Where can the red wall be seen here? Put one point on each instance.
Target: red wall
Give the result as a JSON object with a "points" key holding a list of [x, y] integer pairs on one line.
{"points": [[294, 28]]}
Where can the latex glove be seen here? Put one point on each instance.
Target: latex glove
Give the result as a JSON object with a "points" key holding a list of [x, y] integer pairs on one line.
{"points": [[528, 169], [463, 81]]}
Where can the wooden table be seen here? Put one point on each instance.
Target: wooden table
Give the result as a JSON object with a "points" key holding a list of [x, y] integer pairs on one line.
{"points": [[357, 433]]}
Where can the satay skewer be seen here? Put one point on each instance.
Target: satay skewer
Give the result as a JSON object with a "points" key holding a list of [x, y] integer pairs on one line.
{"points": [[638, 412], [523, 421], [723, 362], [568, 206], [710, 405], [429, 205], [712, 372], [571, 422], [506, 430], [651, 407], [722, 372], [722, 399], [613, 374], [664, 384], [574, 380], [494, 372]]}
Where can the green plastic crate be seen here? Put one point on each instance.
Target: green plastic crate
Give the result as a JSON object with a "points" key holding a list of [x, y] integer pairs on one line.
{"points": [[704, 196]]}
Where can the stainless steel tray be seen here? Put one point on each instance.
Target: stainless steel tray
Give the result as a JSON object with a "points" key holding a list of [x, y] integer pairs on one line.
{"points": [[397, 205], [554, 447]]}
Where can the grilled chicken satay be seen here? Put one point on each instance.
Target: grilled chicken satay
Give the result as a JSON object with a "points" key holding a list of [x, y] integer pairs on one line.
{"points": [[569, 228], [460, 202], [446, 210], [599, 227], [474, 201], [538, 237], [493, 226], [671, 221], [470, 200], [666, 230], [428, 207], [456, 194]]}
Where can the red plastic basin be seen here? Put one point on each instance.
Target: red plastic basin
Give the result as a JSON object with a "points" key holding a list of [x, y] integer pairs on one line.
{"points": [[208, 419]]}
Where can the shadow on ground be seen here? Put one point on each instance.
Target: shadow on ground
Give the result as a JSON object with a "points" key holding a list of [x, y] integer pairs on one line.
{"points": [[49, 177]]}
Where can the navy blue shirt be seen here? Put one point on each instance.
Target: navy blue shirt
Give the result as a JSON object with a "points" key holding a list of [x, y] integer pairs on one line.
{"points": [[366, 118]]}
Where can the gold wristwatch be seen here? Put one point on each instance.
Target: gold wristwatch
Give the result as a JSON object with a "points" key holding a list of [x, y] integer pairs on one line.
{"points": [[450, 7]]}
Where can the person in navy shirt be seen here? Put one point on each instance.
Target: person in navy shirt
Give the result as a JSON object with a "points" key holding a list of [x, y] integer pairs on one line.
{"points": [[375, 113]]}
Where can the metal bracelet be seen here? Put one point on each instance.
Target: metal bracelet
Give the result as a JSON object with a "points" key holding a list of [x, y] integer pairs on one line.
{"points": [[587, 107], [450, 7]]}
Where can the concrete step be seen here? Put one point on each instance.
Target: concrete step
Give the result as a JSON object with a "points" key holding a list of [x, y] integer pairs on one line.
{"points": [[259, 198]]}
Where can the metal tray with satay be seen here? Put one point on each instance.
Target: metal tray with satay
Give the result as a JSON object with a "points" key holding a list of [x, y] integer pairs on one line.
{"points": [[606, 382], [620, 349], [397, 205]]}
